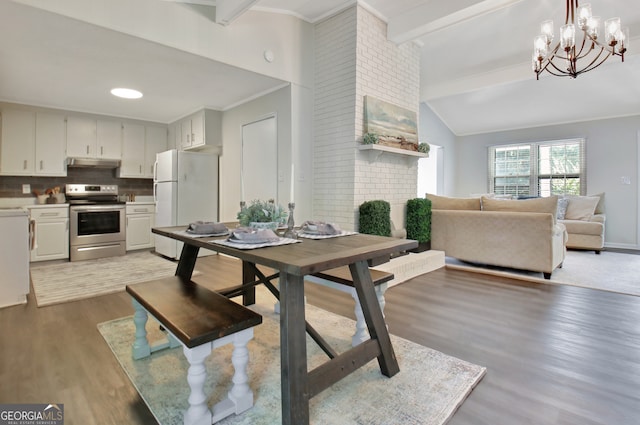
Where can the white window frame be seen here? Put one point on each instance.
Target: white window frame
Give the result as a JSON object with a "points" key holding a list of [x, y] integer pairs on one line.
{"points": [[532, 173]]}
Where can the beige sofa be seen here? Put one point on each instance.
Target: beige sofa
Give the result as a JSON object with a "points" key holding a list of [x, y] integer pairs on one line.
{"points": [[584, 218], [522, 234]]}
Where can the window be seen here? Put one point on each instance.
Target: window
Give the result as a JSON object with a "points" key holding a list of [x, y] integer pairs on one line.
{"points": [[538, 169]]}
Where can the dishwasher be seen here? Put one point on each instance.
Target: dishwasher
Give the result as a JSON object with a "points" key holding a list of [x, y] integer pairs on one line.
{"points": [[14, 256]]}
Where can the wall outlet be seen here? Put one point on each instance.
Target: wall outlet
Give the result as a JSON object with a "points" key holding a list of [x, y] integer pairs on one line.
{"points": [[26, 188]]}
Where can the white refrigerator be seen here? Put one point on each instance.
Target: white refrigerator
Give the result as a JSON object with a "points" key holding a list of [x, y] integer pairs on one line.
{"points": [[185, 189]]}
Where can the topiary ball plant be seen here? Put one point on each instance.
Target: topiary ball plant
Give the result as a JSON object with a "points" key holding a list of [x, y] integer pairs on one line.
{"points": [[419, 222], [375, 218]]}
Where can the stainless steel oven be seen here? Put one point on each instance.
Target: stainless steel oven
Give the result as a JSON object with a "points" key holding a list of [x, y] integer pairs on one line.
{"points": [[96, 222]]}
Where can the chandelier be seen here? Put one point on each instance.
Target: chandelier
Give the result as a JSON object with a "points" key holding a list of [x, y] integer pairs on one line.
{"points": [[562, 60]]}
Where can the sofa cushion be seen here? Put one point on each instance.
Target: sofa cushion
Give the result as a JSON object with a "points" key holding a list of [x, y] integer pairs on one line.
{"points": [[581, 207], [447, 203], [537, 205], [582, 227]]}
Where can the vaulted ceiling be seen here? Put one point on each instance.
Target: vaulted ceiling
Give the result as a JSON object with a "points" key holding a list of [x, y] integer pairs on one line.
{"points": [[475, 63]]}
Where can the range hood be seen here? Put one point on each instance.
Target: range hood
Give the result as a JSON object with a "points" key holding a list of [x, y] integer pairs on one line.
{"points": [[93, 163]]}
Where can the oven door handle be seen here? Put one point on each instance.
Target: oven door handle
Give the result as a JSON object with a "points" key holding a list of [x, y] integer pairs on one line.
{"points": [[95, 208]]}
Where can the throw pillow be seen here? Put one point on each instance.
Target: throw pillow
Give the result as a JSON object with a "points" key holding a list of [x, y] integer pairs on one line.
{"points": [[562, 208], [599, 207], [581, 207], [447, 203], [539, 205]]}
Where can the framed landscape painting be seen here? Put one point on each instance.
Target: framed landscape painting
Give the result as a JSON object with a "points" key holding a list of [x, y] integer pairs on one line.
{"points": [[395, 126]]}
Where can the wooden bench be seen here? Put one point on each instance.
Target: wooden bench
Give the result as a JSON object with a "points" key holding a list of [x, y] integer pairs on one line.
{"points": [[200, 320], [340, 279]]}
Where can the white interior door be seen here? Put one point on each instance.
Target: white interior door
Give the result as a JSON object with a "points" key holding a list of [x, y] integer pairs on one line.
{"points": [[260, 160]]}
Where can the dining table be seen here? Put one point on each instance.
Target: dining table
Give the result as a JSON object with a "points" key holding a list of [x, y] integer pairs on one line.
{"points": [[291, 261]]}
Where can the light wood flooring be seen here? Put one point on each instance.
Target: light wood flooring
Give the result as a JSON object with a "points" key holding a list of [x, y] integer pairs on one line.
{"points": [[554, 354]]}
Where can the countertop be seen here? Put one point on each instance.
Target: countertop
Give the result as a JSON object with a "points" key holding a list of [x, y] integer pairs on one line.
{"points": [[47, 206], [13, 212], [141, 203]]}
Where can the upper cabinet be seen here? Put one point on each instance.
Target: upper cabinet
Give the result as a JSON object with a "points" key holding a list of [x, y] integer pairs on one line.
{"points": [[18, 142], [91, 138], [201, 131], [109, 139], [139, 148], [155, 142], [51, 132], [32, 144]]}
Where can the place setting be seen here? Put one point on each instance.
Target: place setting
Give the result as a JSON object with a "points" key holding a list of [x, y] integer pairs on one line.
{"points": [[251, 238], [204, 229], [322, 230]]}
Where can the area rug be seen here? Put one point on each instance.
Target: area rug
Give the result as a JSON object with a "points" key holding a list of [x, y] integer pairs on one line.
{"points": [[72, 281], [609, 271], [428, 389]]}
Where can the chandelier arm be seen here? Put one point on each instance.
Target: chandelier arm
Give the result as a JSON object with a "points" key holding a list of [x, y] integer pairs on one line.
{"points": [[579, 54], [554, 66], [591, 66]]}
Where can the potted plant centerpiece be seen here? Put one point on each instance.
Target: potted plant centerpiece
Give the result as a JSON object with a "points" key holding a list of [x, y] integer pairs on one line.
{"points": [[262, 215]]}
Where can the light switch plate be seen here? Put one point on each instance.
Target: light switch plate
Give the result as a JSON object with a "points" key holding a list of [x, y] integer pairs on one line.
{"points": [[26, 188]]}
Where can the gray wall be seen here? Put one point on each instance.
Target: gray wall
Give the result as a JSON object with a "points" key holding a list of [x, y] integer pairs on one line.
{"points": [[433, 131], [612, 152]]}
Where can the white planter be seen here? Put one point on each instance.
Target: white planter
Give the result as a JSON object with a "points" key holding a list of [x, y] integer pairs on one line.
{"points": [[273, 225]]}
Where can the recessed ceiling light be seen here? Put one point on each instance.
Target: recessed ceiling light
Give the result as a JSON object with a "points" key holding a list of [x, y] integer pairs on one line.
{"points": [[126, 93]]}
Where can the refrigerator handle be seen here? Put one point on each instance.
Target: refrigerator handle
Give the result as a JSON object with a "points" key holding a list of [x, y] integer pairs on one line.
{"points": [[155, 170], [155, 192]]}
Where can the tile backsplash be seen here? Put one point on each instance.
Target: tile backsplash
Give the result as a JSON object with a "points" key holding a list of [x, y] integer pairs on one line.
{"points": [[11, 186]]}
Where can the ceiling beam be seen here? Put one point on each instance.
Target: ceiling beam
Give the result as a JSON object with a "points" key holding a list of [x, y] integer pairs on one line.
{"points": [[434, 16], [228, 10]]}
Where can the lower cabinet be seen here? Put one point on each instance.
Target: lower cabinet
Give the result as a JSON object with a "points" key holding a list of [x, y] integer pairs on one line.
{"points": [[140, 220], [51, 233]]}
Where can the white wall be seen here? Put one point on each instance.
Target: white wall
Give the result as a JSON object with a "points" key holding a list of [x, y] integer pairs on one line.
{"points": [[294, 142], [612, 152], [278, 103]]}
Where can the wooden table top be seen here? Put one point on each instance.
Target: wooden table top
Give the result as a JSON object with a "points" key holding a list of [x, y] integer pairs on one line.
{"points": [[306, 257]]}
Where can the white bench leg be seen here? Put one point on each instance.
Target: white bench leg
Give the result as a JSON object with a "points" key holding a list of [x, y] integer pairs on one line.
{"points": [[240, 397], [141, 346], [198, 413], [362, 333]]}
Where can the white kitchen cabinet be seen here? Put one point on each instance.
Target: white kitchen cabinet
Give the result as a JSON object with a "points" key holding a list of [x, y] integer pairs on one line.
{"points": [[139, 148], [155, 142], [173, 136], [132, 164], [140, 220], [51, 232], [91, 138], [33, 144], [50, 152], [18, 144], [201, 131], [81, 137], [109, 139]]}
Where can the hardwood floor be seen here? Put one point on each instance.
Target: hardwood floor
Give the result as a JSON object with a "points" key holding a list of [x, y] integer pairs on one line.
{"points": [[554, 354]]}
